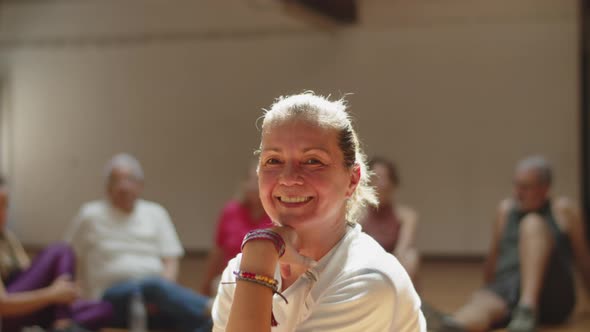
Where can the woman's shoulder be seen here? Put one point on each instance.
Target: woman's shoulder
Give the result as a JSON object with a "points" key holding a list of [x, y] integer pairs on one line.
{"points": [[364, 255], [363, 268]]}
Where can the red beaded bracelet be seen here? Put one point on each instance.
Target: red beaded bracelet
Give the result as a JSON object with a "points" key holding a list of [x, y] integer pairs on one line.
{"points": [[263, 280], [258, 278], [266, 234]]}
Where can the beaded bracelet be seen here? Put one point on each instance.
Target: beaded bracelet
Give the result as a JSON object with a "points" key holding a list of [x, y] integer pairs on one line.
{"points": [[263, 280], [258, 278], [266, 234]]}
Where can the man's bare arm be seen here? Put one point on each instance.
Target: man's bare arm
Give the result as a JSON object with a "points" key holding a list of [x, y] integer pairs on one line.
{"points": [[170, 271], [497, 230]]}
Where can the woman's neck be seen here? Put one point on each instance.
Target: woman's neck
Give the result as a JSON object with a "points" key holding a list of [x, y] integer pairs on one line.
{"points": [[316, 243]]}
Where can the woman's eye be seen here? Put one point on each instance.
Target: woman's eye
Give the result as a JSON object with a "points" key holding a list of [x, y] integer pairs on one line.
{"points": [[312, 161], [272, 161]]}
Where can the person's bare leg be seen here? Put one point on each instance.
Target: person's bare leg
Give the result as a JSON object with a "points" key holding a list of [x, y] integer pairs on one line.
{"points": [[535, 247], [410, 260], [481, 312]]}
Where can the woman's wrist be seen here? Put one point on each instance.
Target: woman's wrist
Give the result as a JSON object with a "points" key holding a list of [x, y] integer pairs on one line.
{"points": [[268, 235], [260, 257], [48, 295]]}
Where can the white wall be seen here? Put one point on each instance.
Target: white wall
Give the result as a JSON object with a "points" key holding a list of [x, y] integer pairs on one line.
{"points": [[455, 91]]}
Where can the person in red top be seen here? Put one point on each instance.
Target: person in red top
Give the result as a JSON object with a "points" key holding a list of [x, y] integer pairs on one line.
{"points": [[237, 218], [392, 224]]}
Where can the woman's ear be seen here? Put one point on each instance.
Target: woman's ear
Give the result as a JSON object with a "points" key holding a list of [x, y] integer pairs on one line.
{"points": [[355, 178]]}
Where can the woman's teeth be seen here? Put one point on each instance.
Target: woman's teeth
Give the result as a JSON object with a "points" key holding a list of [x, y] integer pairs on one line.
{"points": [[293, 199]]}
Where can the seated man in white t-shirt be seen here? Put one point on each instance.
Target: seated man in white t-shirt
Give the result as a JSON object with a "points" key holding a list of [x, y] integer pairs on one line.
{"points": [[125, 245]]}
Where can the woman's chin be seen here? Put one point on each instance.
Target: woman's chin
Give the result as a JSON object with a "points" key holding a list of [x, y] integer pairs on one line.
{"points": [[296, 222]]}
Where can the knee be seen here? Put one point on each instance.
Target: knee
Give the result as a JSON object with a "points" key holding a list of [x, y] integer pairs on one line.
{"points": [[478, 296], [59, 251], [120, 293], [63, 249], [533, 224], [154, 286]]}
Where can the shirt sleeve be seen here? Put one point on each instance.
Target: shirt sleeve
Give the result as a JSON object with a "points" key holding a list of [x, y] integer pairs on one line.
{"points": [[168, 240], [408, 316]]}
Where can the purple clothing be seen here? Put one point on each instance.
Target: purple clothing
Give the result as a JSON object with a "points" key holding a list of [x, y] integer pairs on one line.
{"points": [[56, 260]]}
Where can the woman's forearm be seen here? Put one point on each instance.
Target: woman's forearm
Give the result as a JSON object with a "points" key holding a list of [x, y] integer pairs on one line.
{"points": [[251, 309], [22, 303]]}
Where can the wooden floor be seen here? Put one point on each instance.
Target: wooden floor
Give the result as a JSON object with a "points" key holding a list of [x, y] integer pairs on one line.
{"points": [[447, 285], [444, 284]]}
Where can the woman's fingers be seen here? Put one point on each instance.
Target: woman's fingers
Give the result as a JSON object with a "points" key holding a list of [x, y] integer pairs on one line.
{"points": [[292, 255]]}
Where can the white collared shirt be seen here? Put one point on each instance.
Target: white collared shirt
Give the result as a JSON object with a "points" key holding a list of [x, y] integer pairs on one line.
{"points": [[356, 287]]}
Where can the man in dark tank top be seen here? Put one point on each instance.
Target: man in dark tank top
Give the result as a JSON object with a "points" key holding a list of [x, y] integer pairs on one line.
{"points": [[528, 270]]}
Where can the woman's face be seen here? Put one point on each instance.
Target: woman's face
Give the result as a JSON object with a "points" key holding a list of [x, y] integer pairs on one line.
{"points": [[302, 178]]}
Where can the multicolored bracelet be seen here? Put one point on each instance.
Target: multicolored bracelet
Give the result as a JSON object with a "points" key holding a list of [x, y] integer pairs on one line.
{"points": [[258, 278], [266, 234], [263, 280]]}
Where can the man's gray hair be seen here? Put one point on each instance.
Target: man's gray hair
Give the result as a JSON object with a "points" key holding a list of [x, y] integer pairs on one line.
{"points": [[125, 161], [540, 165]]}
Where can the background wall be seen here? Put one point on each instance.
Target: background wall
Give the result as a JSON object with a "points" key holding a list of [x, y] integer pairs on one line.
{"points": [[455, 91]]}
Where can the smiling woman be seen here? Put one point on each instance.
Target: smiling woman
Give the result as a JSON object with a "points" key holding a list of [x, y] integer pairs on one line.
{"points": [[329, 276]]}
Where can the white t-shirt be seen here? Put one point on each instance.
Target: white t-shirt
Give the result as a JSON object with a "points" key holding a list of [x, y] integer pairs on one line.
{"points": [[113, 246], [356, 287]]}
